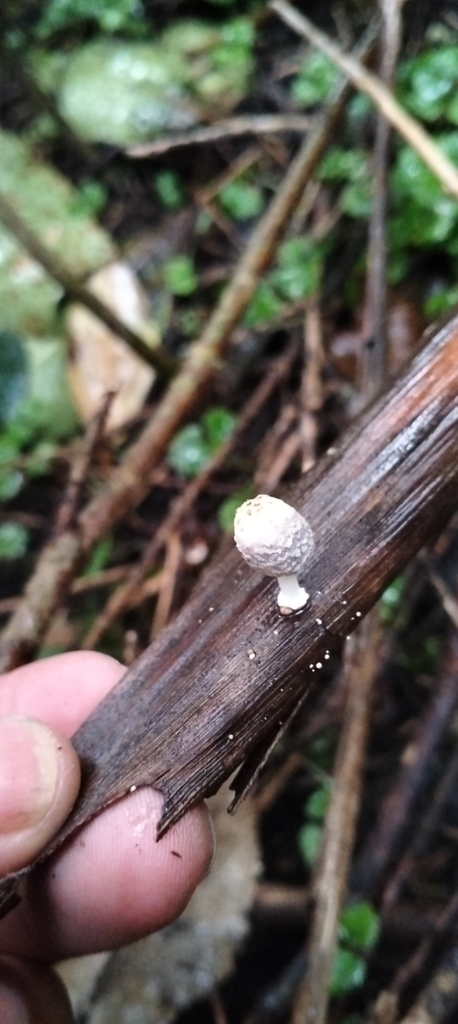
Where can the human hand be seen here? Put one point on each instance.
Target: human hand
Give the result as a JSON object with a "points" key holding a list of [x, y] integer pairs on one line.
{"points": [[108, 885]]}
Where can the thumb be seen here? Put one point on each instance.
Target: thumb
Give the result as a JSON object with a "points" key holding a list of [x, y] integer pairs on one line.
{"points": [[31, 994], [39, 782]]}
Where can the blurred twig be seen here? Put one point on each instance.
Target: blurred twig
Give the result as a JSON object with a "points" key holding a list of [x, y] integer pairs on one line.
{"points": [[262, 124], [311, 388], [331, 882], [84, 454], [374, 363]]}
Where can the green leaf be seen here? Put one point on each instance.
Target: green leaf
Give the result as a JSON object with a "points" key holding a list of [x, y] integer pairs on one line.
{"points": [[422, 214], [360, 926], [218, 425], [391, 599], [315, 80], [39, 460], [241, 200], [194, 446], [299, 269], [231, 62], [88, 200], [180, 276], [100, 556], [342, 164], [48, 410], [228, 508], [440, 300], [359, 110], [356, 199], [264, 306], [115, 16], [427, 82], [309, 842], [350, 166], [189, 452], [239, 31], [13, 375], [348, 973], [318, 803], [411, 178], [14, 539], [298, 282], [169, 190], [9, 449], [11, 482]]}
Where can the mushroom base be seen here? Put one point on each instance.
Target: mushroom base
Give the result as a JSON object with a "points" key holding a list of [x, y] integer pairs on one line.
{"points": [[291, 597]]}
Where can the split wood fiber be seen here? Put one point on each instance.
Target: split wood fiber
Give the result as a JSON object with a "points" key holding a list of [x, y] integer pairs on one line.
{"points": [[219, 684]]}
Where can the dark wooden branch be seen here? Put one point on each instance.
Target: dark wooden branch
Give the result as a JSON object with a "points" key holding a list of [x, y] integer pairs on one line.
{"points": [[222, 680]]}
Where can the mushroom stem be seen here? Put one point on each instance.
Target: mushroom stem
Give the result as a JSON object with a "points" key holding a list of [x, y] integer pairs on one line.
{"points": [[291, 596]]}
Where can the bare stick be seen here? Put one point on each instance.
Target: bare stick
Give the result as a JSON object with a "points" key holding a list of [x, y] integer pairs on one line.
{"points": [[84, 454], [374, 363], [331, 884], [263, 124], [311, 385], [163, 363], [405, 124]]}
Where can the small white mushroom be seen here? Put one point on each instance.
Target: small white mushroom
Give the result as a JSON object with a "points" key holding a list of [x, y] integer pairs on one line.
{"points": [[273, 537]]}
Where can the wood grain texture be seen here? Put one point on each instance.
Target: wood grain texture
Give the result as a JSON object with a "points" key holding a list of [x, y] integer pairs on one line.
{"points": [[223, 678]]}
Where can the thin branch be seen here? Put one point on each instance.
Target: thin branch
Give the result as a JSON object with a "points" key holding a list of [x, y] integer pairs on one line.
{"points": [[172, 561], [84, 454], [311, 384], [374, 364], [331, 883], [164, 365], [407, 126], [262, 124]]}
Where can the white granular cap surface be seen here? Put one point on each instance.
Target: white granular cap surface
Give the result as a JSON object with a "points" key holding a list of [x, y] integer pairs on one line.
{"points": [[272, 536]]}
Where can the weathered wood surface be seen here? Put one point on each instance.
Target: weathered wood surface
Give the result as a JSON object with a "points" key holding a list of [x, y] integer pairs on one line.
{"points": [[222, 679]]}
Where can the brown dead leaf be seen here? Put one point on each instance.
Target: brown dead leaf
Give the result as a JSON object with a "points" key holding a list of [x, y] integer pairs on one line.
{"points": [[102, 362]]}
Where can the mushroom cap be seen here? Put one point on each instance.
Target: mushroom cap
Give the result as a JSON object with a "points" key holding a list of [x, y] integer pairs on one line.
{"points": [[272, 536]]}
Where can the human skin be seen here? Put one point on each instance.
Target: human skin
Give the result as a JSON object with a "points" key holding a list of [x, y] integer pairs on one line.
{"points": [[112, 882]]}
